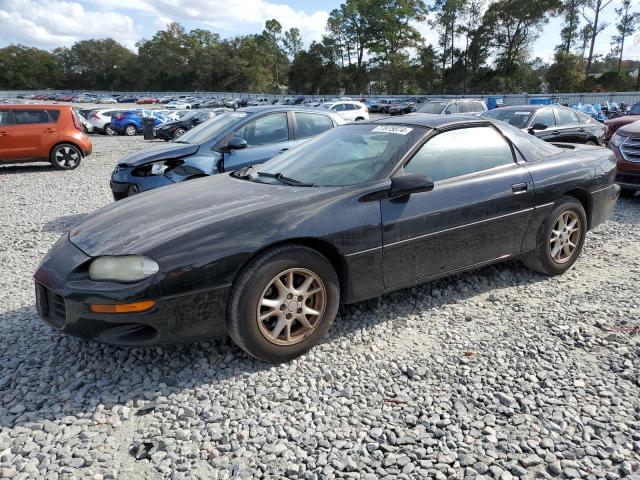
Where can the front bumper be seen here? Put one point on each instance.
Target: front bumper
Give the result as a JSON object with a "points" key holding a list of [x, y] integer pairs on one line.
{"points": [[163, 134], [124, 184], [64, 294]]}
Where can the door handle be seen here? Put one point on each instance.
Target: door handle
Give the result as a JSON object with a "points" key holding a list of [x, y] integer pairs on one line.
{"points": [[555, 132], [283, 150], [581, 129], [4, 134], [49, 130], [519, 187]]}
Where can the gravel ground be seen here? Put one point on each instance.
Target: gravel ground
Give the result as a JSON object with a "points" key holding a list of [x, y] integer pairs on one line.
{"points": [[498, 373]]}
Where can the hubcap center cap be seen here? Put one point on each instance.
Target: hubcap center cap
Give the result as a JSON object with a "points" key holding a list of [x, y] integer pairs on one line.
{"points": [[291, 306]]}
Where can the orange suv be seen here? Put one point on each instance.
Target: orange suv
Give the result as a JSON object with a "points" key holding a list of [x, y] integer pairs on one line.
{"points": [[42, 133]]}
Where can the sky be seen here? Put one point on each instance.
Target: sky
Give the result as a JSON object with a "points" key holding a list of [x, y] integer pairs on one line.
{"points": [[48, 23]]}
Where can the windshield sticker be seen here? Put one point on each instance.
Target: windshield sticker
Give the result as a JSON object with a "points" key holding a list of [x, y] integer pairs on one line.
{"points": [[523, 113], [238, 115], [393, 129]]}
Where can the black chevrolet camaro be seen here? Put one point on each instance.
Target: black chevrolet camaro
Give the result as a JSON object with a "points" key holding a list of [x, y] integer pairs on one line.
{"points": [[266, 254]]}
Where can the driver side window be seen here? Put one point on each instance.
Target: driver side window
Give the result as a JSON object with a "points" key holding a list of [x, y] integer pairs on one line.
{"points": [[265, 130], [460, 152], [545, 116]]}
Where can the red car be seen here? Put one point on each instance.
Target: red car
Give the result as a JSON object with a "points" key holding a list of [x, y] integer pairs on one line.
{"points": [[613, 124], [147, 101], [625, 143]]}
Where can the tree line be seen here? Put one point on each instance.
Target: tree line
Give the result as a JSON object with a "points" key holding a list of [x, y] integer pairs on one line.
{"points": [[370, 47]]}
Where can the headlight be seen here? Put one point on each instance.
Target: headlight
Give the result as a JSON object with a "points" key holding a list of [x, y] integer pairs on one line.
{"points": [[618, 139], [158, 168], [128, 268]]}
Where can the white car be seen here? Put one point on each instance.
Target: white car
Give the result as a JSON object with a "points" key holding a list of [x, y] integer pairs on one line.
{"points": [[181, 104], [259, 101], [107, 100], [349, 110], [101, 120]]}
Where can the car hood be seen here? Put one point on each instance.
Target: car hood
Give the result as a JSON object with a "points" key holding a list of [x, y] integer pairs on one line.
{"points": [[622, 120], [630, 129], [138, 224], [160, 152]]}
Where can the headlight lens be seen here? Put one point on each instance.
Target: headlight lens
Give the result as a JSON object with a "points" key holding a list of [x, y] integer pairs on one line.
{"points": [[128, 268], [158, 168], [618, 139]]}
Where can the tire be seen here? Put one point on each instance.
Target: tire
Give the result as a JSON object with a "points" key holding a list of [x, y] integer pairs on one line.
{"points": [[178, 132], [627, 192], [108, 130], [65, 156], [541, 259], [130, 130], [359, 119], [267, 340]]}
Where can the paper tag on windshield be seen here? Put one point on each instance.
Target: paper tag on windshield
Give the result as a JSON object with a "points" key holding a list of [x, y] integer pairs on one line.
{"points": [[523, 113], [238, 115], [392, 129]]}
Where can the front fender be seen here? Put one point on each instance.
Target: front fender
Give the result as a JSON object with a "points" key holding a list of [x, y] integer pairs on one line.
{"points": [[196, 165]]}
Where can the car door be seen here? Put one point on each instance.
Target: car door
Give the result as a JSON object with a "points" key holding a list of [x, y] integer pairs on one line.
{"points": [[7, 144], [544, 116], [569, 126], [266, 137], [33, 133], [477, 212]]}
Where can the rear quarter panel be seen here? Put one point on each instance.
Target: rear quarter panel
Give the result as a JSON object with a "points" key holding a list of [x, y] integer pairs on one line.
{"points": [[582, 172]]}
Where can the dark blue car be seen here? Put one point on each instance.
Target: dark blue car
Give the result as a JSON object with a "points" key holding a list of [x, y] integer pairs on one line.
{"points": [[228, 142], [130, 122]]}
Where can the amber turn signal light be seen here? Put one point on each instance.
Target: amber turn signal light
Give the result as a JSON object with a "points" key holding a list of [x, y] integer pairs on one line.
{"points": [[124, 307]]}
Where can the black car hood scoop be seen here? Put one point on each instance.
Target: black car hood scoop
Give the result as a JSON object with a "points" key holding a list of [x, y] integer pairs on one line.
{"points": [[159, 152]]}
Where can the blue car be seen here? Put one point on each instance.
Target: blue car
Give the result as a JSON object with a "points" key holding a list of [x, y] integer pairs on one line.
{"points": [[130, 122], [228, 142]]}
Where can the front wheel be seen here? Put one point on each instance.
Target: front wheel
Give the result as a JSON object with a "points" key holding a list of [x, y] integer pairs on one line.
{"points": [[65, 156], [560, 238], [178, 132], [283, 303]]}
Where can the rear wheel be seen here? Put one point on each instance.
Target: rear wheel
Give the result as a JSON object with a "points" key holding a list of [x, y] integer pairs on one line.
{"points": [[560, 238], [178, 132], [65, 156], [283, 303], [108, 130], [130, 130]]}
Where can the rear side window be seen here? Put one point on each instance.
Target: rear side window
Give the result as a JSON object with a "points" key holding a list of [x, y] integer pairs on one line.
{"points": [[310, 124], [4, 117], [460, 152], [478, 106], [566, 116], [23, 117], [452, 108]]}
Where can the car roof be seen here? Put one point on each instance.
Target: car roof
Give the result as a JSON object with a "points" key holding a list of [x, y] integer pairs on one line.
{"points": [[279, 108], [527, 107], [36, 106], [429, 120]]}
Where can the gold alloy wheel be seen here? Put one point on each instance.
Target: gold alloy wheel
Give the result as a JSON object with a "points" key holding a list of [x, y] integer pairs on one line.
{"points": [[291, 307], [565, 237]]}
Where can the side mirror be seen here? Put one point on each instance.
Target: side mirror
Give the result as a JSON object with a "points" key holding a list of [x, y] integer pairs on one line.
{"points": [[409, 183], [538, 126], [195, 121], [237, 143]]}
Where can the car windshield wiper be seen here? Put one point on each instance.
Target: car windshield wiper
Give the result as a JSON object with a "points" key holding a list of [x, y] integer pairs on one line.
{"points": [[286, 180]]}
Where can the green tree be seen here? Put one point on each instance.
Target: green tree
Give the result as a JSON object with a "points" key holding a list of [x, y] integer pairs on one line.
{"points": [[570, 33], [292, 42], [28, 68], [594, 25], [626, 26], [566, 73]]}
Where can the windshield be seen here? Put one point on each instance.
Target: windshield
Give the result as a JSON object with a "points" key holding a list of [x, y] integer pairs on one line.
{"points": [[347, 155], [515, 117], [433, 107], [208, 130]]}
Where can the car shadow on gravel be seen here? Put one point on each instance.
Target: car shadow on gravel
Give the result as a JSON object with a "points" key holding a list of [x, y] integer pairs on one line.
{"points": [[28, 168], [47, 375], [63, 223]]}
